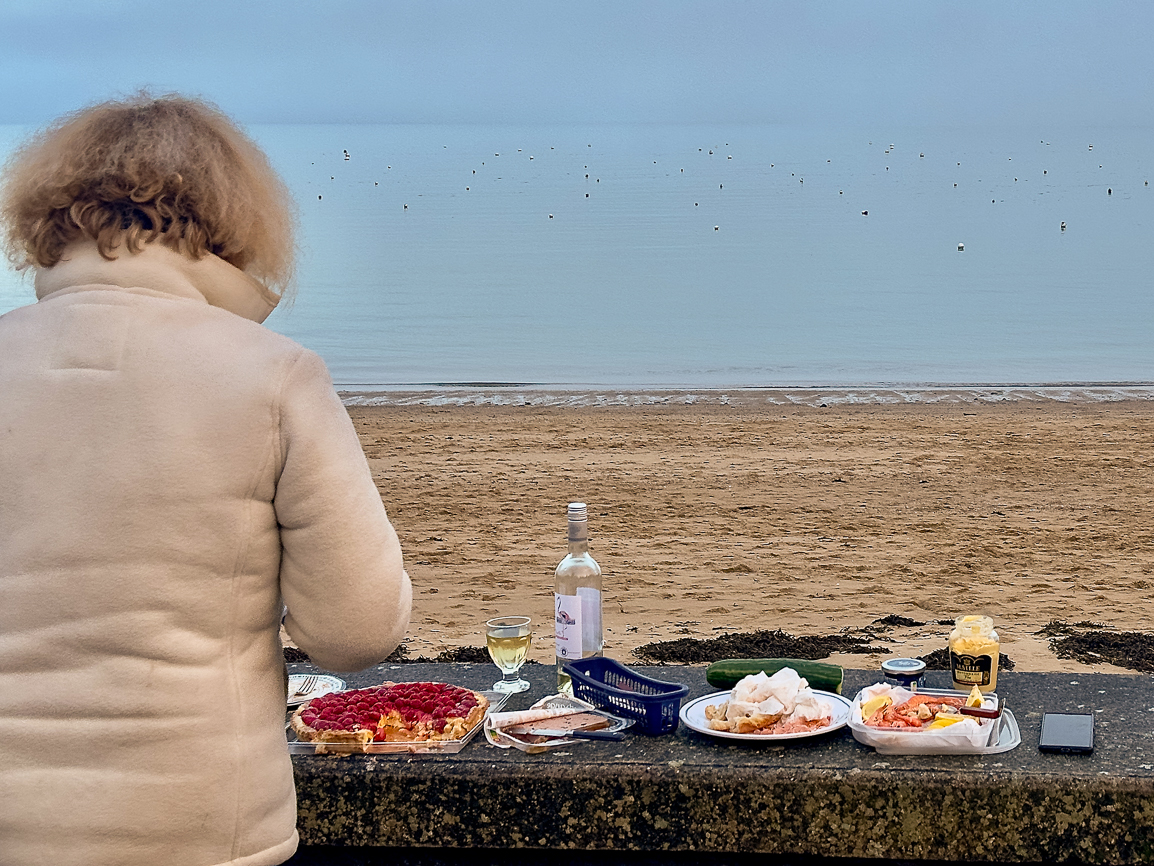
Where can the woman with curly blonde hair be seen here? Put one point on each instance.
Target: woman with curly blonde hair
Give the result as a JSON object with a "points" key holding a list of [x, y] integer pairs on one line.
{"points": [[175, 477]]}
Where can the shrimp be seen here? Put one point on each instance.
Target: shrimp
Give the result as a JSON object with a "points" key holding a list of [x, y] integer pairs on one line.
{"points": [[914, 713]]}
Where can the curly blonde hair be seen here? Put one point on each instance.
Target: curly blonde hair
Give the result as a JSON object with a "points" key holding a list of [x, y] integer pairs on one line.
{"points": [[169, 169]]}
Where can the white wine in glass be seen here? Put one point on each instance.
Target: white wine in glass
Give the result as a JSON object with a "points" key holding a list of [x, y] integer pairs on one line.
{"points": [[508, 639]]}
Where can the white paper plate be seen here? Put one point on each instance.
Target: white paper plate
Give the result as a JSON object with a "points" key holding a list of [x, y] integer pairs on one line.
{"points": [[325, 684], [693, 717]]}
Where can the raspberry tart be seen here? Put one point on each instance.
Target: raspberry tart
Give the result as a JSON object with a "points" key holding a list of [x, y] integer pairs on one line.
{"points": [[393, 712]]}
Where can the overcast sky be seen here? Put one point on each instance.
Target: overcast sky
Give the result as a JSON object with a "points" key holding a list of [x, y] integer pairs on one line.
{"points": [[849, 62]]}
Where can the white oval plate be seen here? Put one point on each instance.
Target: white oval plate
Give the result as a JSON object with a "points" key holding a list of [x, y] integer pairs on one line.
{"points": [[325, 684], [693, 717]]}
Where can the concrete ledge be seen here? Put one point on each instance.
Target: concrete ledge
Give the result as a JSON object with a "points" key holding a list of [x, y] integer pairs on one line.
{"points": [[826, 797]]}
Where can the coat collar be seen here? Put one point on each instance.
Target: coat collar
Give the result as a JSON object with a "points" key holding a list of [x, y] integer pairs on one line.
{"points": [[156, 268]]}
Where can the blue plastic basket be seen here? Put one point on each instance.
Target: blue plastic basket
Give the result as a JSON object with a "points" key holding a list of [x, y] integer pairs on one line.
{"points": [[612, 686]]}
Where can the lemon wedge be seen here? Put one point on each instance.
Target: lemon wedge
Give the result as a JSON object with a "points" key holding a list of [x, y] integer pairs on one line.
{"points": [[874, 704], [974, 698], [944, 720]]}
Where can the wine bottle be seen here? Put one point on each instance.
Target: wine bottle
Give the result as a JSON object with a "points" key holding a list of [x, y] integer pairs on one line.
{"points": [[577, 598]]}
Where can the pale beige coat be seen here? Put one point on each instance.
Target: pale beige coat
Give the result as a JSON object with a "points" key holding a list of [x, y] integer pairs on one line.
{"points": [[169, 471]]}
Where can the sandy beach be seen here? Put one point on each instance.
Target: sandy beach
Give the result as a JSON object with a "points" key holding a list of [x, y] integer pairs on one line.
{"points": [[712, 519]]}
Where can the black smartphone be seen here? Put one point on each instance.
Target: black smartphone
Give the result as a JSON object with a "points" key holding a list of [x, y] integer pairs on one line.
{"points": [[1067, 732]]}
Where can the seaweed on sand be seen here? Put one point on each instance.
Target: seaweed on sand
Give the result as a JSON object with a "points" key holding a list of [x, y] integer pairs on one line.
{"points": [[1092, 643], [758, 644], [897, 620]]}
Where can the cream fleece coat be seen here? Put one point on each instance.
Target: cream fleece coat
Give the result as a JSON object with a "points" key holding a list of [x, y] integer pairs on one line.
{"points": [[169, 471]]}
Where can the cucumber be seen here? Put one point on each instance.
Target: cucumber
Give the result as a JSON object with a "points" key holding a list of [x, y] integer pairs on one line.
{"points": [[726, 673]]}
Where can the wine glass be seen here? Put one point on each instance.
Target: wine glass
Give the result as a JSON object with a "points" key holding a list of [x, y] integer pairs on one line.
{"points": [[508, 639]]}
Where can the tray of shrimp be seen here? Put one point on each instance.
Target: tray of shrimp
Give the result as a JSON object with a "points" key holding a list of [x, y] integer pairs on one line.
{"points": [[898, 721]]}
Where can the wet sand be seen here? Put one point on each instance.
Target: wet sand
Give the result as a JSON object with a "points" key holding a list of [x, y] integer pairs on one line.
{"points": [[708, 519]]}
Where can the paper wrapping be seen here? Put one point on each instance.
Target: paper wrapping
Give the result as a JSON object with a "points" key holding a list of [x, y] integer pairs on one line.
{"points": [[551, 707], [969, 737]]}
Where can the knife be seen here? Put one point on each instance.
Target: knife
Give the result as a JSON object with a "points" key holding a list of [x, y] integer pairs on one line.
{"points": [[579, 735], [983, 712]]}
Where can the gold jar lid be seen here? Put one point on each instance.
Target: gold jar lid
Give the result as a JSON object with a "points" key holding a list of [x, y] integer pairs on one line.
{"points": [[974, 622]]}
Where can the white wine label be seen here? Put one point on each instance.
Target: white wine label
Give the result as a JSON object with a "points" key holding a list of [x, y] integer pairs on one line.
{"points": [[590, 618], [569, 628]]}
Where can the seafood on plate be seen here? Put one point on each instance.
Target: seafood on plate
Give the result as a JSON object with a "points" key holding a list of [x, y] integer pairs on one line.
{"points": [[885, 707], [778, 704]]}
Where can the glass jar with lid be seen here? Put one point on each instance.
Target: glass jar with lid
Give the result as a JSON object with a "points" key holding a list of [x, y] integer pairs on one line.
{"points": [[907, 673], [974, 650]]}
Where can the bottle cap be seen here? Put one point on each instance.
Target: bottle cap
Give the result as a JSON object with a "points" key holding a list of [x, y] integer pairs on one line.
{"points": [[578, 522]]}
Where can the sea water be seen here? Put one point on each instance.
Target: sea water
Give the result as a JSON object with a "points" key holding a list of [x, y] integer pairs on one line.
{"points": [[662, 257]]}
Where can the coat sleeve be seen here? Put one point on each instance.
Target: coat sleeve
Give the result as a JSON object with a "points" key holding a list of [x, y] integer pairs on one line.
{"points": [[342, 576]]}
